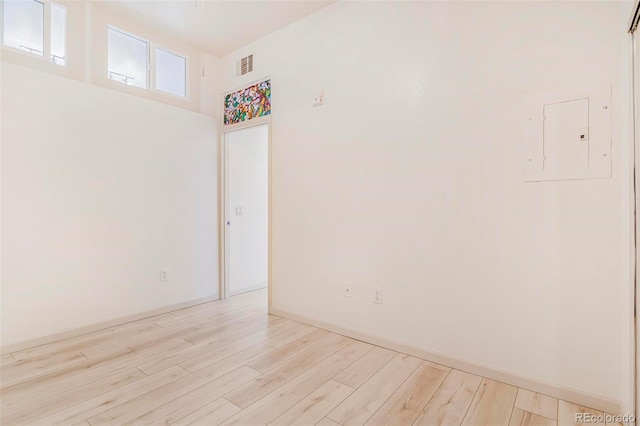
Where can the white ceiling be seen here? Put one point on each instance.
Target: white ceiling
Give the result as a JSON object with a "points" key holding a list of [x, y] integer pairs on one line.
{"points": [[218, 27]]}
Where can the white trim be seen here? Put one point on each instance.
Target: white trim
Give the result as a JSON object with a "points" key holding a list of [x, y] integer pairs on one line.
{"points": [[222, 187], [154, 71], [152, 68], [635, 260], [223, 284], [53, 4], [15, 347], [135, 37], [46, 47], [46, 32], [225, 219], [635, 16], [228, 128], [572, 395], [2, 20], [127, 33], [248, 289]]}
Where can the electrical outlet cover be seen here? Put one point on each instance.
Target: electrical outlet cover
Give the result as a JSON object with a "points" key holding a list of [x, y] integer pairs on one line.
{"points": [[377, 295]]}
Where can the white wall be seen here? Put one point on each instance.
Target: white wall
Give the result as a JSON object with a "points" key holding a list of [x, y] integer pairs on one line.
{"points": [[247, 152], [210, 97], [100, 190], [411, 178]]}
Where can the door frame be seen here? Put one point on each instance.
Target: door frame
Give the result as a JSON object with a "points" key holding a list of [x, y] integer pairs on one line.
{"points": [[223, 239], [634, 38]]}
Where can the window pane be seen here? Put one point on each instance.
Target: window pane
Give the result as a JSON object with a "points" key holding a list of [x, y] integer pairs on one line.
{"points": [[171, 73], [24, 25], [127, 59], [58, 34]]}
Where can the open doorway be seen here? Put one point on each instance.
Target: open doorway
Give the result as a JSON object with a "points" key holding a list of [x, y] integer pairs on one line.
{"points": [[246, 209]]}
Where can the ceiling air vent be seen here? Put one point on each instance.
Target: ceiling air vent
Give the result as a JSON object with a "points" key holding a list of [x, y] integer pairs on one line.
{"points": [[245, 65]]}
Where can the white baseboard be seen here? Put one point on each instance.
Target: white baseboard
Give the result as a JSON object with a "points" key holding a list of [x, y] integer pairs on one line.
{"points": [[578, 397], [248, 289], [15, 347]]}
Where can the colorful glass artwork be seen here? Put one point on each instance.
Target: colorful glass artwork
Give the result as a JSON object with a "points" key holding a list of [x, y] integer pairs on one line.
{"points": [[251, 102]]}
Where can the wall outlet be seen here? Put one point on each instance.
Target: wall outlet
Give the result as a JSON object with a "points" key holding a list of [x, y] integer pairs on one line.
{"points": [[164, 275], [377, 295], [347, 291]]}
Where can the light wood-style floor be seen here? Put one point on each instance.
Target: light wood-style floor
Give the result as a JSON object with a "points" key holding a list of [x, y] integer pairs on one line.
{"points": [[229, 362]]}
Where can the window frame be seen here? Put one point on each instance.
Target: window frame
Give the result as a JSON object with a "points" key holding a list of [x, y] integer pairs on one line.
{"points": [[66, 32], [46, 36], [151, 66], [148, 58], [154, 72]]}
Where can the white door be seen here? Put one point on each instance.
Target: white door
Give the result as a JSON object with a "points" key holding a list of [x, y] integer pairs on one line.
{"points": [[246, 199]]}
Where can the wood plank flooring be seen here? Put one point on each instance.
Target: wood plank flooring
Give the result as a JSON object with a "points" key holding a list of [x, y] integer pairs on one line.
{"points": [[230, 363]]}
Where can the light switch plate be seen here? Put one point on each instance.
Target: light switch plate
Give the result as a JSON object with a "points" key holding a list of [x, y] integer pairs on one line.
{"points": [[318, 99]]}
